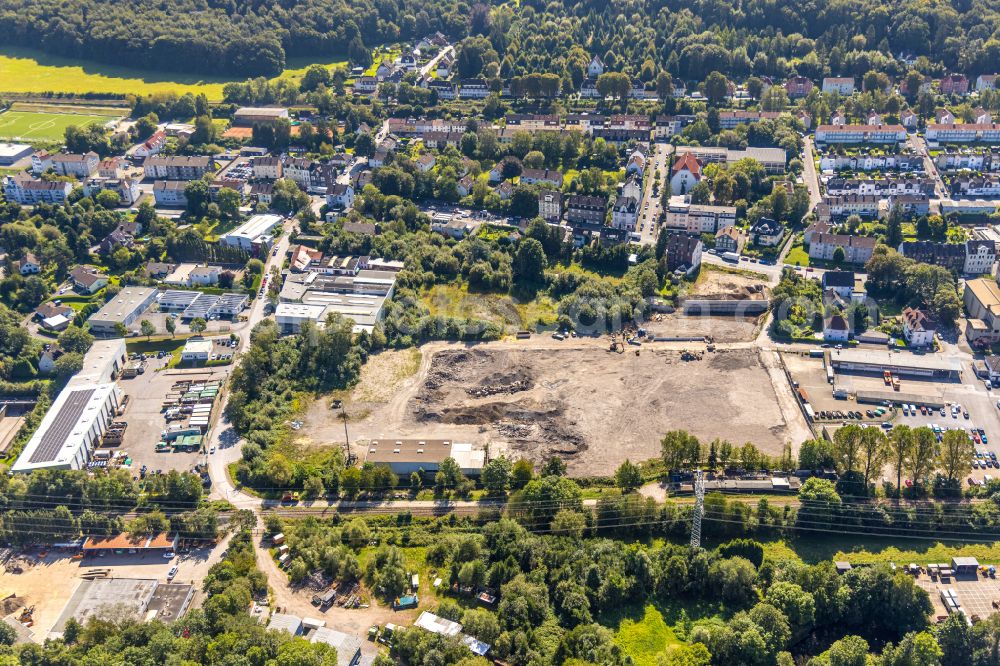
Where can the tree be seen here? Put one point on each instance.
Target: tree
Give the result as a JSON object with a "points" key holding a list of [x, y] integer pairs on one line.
{"points": [[819, 503], [529, 262], [198, 196], [121, 330], [798, 605], [816, 454], [922, 457], [171, 325], [198, 325], [613, 84], [946, 305], [899, 450], [554, 466], [957, 452], [108, 199], [521, 474], [955, 637], [838, 255], [68, 364], [678, 448], [497, 475], [75, 339], [872, 454], [848, 651], [628, 477], [847, 447], [147, 328], [716, 88], [916, 649]]}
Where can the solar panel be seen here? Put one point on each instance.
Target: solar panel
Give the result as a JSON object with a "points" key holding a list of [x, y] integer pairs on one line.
{"points": [[67, 418]]}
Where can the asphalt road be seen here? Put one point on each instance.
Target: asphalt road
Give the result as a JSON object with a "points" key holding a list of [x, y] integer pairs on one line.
{"points": [[650, 218]]}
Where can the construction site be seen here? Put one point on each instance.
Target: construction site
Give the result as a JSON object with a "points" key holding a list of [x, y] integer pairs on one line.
{"points": [[578, 399]]}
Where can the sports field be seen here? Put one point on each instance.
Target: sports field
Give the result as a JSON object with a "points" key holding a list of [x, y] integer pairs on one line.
{"points": [[29, 71], [33, 126]]}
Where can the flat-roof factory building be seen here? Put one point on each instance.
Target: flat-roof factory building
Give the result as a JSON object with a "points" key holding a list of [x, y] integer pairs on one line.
{"points": [[253, 234], [926, 366], [70, 429], [80, 413], [405, 456], [124, 309]]}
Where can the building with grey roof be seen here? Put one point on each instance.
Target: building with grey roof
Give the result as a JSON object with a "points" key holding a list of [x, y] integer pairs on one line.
{"points": [[125, 309]]}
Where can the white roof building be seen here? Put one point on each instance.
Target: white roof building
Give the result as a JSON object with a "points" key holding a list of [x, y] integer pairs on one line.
{"points": [[73, 425], [253, 233]]}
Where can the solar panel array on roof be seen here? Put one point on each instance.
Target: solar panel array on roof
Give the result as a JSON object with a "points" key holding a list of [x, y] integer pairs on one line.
{"points": [[67, 418], [202, 307], [177, 299]]}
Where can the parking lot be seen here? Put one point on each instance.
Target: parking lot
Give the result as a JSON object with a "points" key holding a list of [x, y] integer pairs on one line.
{"points": [[975, 594], [144, 415]]}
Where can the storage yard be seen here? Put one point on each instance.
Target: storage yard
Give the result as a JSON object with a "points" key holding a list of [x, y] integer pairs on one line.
{"points": [[591, 406]]}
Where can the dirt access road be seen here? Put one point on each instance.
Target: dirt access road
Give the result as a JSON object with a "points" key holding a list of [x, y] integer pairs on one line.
{"points": [[594, 408]]}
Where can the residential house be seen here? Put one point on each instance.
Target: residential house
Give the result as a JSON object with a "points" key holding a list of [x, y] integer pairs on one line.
{"points": [[262, 192], [665, 127], [79, 166], [685, 174], [151, 146], [963, 133], [816, 228], [177, 167], [474, 89], [944, 117], [550, 206], [496, 173], [88, 280], [299, 170], [588, 89], [426, 162], [798, 86], [729, 239], [444, 89], [838, 119], [28, 264], [636, 163], [683, 253], [158, 270], [841, 282], [803, 117], [908, 119], [698, 218], [986, 82], [549, 177], [982, 117], [268, 168], [340, 196], [27, 191], [49, 310], [836, 329], [918, 327], [48, 358], [850, 134], [465, 185], [367, 85], [767, 232], [586, 212], [842, 85], [112, 167], [116, 239], [169, 193], [981, 299], [732, 119], [127, 189], [947, 255], [505, 190], [41, 161], [954, 84], [980, 255], [596, 67], [625, 213], [857, 249]]}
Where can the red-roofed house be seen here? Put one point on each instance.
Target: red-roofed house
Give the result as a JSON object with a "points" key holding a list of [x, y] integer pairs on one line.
{"points": [[685, 174]]}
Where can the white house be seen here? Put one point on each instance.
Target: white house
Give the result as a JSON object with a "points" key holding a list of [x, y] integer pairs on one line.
{"points": [[686, 173], [918, 327], [836, 329], [596, 67], [341, 196]]}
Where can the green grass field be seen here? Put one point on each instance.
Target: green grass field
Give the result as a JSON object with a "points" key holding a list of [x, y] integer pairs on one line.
{"points": [[30, 71], [32, 126]]}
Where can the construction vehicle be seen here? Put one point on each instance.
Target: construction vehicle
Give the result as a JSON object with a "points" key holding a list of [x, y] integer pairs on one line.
{"points": [[887, 377], [895, 382], [690, 356], [616, 345]]}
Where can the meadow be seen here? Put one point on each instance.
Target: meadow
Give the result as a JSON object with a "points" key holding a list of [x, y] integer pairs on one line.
{"points": [[29, 71], [41, 126]]}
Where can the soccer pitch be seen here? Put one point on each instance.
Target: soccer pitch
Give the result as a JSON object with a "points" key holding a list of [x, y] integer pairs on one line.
{"points": [[33, 126]]}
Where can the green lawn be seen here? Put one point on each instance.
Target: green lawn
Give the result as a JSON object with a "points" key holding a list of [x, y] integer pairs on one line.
{"points": [[32, 126], [857, 550], [29, 71], [458, 301], [797, 256], [644, 636]]}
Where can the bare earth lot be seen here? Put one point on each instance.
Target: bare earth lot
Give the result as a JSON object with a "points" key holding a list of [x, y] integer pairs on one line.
{"points": [[593, 407]]}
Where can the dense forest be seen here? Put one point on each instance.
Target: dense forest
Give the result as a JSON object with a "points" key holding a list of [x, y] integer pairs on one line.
{"points": [[639, 37]]}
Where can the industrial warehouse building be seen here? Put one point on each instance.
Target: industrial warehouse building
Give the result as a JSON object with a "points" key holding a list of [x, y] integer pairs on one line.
{"points": [[126, 308], [926, 366], [405, 456], [254, 234], [79, 415]]}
